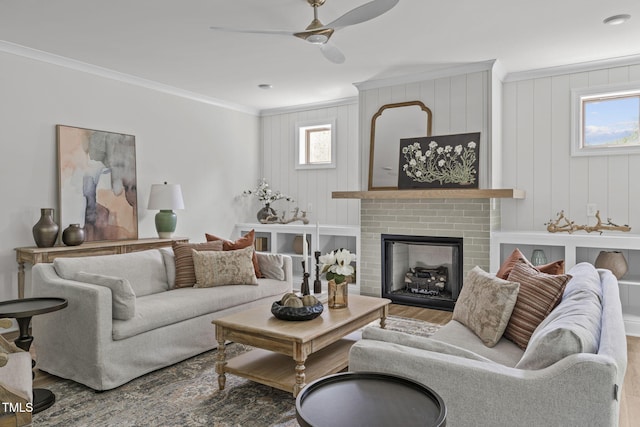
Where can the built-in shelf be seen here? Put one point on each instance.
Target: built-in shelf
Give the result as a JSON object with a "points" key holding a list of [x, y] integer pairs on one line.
{"points": [[440, 193], [575, 248]]}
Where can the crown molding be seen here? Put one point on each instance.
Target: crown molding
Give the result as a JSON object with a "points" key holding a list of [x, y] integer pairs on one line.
{"points": [[312, 106], [39, 55], [447, 71], [580, 67]]}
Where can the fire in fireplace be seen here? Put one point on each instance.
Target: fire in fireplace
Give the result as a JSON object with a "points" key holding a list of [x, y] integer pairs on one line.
{"points": [[424, 271]]}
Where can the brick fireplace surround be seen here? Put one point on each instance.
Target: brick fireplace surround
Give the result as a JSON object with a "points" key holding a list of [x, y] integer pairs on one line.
{"points": [[471, 219]]}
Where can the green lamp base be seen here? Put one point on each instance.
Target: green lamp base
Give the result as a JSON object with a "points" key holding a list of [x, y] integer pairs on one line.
{"points": [[166, 221]]}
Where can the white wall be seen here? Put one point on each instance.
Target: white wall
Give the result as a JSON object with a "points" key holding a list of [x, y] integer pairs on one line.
{"points": [[213, 152], [313, 186], [460, 103], [536, 155]]}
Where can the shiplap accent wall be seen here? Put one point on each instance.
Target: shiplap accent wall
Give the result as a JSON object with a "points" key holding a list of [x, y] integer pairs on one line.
{"points": [[312, 187], [459, 103], [536, 155]]}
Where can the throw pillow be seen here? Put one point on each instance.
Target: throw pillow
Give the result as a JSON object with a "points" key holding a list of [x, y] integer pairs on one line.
{"points": [[539, 294], [485, 305], [217, 268], [185, 272], [241, 243], [555, 267], [170, 265], [271, 266], [123, 299], [574, 326]]}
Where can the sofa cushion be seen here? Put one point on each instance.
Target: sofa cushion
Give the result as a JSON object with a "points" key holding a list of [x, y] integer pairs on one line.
{"points": [[144, 270], [219, 268], [539, 294], [185, 271], [241, 243], [180, 304], [485, 305], [123, 299], [416, 341], [271, 265], [455, 333], [555, 267], [574, 326]]}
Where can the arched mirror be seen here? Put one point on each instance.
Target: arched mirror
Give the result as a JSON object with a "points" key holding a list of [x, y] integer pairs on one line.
{"points": [[391, 123]]}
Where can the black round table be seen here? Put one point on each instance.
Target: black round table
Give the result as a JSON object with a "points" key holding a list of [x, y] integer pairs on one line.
{"points": [[368, 399], [23, 310]]}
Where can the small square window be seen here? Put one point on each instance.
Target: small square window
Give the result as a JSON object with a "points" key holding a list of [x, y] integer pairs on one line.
{"points": [[315, 144]]}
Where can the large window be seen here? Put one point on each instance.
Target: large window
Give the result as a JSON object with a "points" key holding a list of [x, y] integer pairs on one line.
{"points": [[606, 120], [315, 144]]}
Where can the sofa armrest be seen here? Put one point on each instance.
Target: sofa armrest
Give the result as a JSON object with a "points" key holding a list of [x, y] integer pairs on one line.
{"points": [[578, 390], [78, 332]]}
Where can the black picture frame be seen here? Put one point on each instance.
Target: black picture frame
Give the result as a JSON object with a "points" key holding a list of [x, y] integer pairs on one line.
{"points": [[443, 161]]}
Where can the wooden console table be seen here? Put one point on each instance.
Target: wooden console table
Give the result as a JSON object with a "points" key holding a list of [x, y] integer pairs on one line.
{"points": [[35, 255]]}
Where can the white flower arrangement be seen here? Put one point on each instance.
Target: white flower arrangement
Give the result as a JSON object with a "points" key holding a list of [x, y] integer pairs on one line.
{"points": [[336, 265], [444, 164], [265, 194]]}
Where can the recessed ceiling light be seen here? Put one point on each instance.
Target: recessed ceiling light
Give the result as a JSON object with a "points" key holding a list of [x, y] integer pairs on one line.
{"points": [[265, 86], [617, 19]]}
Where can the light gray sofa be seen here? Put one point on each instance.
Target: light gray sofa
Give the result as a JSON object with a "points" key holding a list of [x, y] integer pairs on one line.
{"points": [[86, 344], [506, 386]]}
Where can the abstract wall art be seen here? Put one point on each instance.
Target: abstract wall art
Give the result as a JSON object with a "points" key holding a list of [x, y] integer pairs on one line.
{"points": [[97, 183]]}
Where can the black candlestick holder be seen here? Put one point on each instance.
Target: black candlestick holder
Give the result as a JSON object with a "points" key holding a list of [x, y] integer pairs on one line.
{"points": [[317, 284], [305, 281]]}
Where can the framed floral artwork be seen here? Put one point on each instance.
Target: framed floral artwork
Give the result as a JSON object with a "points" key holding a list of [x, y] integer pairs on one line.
{"points": [[97, 183], [445, 161]]}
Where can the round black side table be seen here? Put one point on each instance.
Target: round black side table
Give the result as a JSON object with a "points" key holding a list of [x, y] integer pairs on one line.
{"points": [[369, 399], [23, 310]]}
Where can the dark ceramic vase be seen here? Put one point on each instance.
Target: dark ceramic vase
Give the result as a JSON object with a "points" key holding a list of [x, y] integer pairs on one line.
{"points": [[73, 235], [45, 231], [265, 212]]}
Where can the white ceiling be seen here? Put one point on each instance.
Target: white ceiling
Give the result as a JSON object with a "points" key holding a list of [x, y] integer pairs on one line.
{"points": [[169, 41]]}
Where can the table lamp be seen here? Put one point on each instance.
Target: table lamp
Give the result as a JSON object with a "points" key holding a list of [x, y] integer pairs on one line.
{"points": [[166, 197]]}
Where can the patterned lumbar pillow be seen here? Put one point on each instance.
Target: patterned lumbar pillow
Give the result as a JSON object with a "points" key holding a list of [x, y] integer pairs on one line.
{"points": [[185, 271], [539, 294], [217, 268], [485, 305]]}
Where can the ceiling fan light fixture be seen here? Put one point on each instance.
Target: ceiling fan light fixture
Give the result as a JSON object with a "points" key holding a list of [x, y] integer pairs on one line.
{"points": [[317, 39], [617, 19]]}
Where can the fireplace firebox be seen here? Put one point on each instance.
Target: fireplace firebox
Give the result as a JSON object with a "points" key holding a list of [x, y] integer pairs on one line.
{"points": [[423, 271]]}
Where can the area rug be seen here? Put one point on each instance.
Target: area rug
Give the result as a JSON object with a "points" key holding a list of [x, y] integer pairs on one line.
{"points": [[185, 394]]}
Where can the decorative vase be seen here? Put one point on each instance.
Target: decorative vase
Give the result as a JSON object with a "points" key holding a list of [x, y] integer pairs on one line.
{"points": [[338, 294], [73, 235], [45, 231], [538, 257], [298, 247], [614, 261], [265, 212]]}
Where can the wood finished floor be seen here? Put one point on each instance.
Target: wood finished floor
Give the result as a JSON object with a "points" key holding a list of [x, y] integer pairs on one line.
{"points": [[629, 401]]}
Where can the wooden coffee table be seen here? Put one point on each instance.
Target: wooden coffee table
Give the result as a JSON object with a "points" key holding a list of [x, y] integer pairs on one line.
{"points": [[289, 354]]}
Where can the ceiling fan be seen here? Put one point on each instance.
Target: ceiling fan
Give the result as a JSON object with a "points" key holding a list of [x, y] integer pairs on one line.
{"points": [[319, 34]]}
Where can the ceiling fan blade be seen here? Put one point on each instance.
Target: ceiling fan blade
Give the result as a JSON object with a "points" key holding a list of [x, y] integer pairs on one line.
{"points": [[363, 13], [238, 30], [332, 53]]}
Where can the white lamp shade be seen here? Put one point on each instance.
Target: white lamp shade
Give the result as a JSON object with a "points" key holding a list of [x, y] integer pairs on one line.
{"points": [[165, 197]]}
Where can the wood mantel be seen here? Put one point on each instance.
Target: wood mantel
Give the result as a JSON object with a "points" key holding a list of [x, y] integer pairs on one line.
{"points": [[444, 193]]}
